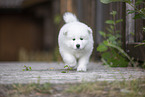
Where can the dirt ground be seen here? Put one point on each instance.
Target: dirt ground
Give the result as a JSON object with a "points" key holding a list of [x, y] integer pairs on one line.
{"points": [[133, 88]]}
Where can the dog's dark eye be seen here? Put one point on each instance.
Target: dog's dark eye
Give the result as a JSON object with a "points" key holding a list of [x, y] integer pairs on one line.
{"points": [[81, 38], [73, 39]]}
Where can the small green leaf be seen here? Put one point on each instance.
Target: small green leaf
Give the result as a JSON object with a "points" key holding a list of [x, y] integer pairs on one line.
{"points": [[110, 22], [131, 11], [27, 69], [102, 33], [112, 38], [112, 27], [137, 16], [63, 71], [66, 66], [109, 35], [132, 33], [118, 21], [110, 30], [30, 68], [105, 42], [113, 13], [118, 36], [57, 19], [138, 2], [117, 31], [102, 47]]}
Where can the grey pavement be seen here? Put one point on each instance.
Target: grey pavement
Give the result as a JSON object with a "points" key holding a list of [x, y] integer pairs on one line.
{"points": [[51, 72]]}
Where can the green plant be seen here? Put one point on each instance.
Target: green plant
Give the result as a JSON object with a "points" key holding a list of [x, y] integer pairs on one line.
{"points": [[112, 53], [68, 69], [25, 90], [27, 68], [139, 13], [57, 19]]}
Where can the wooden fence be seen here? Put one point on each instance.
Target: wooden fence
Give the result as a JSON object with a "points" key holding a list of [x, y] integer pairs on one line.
{"points": [[91, 12], [94, 13]]}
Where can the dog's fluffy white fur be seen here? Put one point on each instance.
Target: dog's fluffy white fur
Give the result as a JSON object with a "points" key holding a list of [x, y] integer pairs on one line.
{"points": [[75, 42]]}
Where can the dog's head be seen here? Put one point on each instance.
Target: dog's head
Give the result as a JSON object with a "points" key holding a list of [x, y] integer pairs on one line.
{"points": [[78, 35]]}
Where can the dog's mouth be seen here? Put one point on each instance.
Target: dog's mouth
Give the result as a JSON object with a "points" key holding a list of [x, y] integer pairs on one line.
{"points": [[78, 48]]}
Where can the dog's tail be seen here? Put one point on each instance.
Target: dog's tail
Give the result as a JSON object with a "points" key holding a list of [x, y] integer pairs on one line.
{"points": [[69, 17]]}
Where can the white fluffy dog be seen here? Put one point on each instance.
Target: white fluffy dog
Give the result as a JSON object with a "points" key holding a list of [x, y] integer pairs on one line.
{"points": [[75, 42]]}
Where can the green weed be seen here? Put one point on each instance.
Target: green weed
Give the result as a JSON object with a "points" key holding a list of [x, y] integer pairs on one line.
{"points": [[111, 52], [67, 70], [27, 68], [139, 12], [133, 88], [27, 89]]}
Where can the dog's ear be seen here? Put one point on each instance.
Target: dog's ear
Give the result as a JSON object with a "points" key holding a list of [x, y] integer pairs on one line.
{"points": [[65, 33], [90, 30]]}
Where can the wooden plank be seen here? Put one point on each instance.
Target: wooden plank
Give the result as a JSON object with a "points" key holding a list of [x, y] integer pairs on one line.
{"points": [[136, 52], [56, 27], [135, 26], [19, 31], [69, 6], [66, 6], [123, 34], [138, 30], [139, 34], [63, 6], [130, 24], [29, 3]]}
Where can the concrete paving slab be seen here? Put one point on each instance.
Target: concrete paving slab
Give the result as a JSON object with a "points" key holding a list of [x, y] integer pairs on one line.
{"points": [[51, 72]]}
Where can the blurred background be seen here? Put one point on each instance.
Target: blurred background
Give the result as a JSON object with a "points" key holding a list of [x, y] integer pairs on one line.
{"points": [[29, 28]]}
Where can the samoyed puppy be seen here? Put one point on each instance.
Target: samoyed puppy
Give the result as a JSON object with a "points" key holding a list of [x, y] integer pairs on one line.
{"points": [[75, 42]]}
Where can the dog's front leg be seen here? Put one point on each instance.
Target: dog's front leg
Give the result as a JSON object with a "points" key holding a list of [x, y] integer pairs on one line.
{"points": [[69, 60], [82, 63]]}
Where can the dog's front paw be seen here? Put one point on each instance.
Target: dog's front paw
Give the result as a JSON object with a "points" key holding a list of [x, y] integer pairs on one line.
{"points": [[72, 65], [82, 69]]}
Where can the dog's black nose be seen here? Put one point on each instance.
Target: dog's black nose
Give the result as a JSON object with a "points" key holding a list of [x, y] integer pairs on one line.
{"points": [[78, 46]]}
